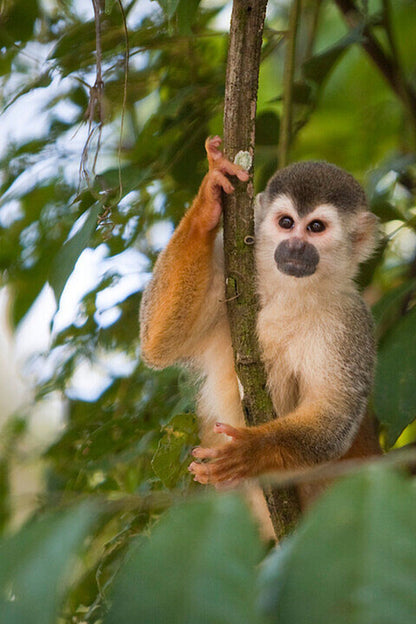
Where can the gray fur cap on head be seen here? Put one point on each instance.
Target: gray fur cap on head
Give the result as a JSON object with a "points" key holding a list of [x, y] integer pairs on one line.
{"points": [[313, 183]]}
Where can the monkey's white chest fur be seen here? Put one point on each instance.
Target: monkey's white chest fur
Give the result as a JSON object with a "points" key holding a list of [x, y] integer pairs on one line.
{"points": [[295, 346]]}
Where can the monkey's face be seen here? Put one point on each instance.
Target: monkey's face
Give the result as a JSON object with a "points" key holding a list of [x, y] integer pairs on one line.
{"points": [[304, 245], [312, 222]]}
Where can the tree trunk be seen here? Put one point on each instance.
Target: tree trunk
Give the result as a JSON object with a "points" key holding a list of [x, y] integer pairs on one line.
{"points": [[239, 135]]}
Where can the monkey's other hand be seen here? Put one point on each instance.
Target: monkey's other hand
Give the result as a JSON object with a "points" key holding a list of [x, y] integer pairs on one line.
{"points": [[232, 462], [216, 181]]}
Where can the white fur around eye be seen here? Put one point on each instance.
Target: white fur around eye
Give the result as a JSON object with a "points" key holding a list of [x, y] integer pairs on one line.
{"points": [[282, 205]]}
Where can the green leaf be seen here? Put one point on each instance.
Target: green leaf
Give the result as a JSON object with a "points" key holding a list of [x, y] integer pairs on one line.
{"points": [[168, 7], [34, 564], [197, 566], [64, 262], [319, 66], [108, 6], [353, 559], [389, 307], [395, 387], [172, 456], [384, 209], [17, 20], [186, 12]]}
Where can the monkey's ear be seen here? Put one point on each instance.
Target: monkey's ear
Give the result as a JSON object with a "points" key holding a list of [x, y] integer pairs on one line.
{"points": [[365, 236]]}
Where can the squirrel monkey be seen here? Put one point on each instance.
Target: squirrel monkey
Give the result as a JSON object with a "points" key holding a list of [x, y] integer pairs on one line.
{"points": [[313, 229]]}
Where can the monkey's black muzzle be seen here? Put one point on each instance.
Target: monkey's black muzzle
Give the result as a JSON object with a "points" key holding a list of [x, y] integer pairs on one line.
{"points": [[296, 257]]}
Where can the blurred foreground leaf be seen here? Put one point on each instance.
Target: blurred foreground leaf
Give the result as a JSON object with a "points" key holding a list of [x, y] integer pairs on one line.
{"points": [[395, 388], [34, 564], [353, 560], [317, 68], [197, 566]]}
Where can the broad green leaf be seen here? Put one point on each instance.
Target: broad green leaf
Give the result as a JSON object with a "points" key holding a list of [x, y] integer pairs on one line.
{"points": [[352, 560], [108, 6], [197, 566], [319, 66], [168, 7], [388, 308], [17, 20], [34, 566], [395, 387], [64, 262], [186, 11], [384, 209], [172, 456]]}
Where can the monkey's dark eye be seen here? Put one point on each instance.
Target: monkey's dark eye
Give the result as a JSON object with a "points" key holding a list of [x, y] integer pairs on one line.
{"points": [[316, 226], [286, 222]]}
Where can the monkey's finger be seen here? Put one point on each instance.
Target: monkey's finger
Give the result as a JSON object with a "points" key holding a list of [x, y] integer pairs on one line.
{"points": [[201, 479], [229, 430], [242, 175], [217, 161], [226, 470], [225, 166], [200, 475], [219, 180], [212, 145], [204, 453]]}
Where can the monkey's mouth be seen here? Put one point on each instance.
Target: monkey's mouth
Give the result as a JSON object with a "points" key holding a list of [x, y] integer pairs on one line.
{"points": [[296, 268]]}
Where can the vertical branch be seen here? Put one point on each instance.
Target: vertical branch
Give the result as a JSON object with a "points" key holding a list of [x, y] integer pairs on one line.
{"points": [[285, 135], [239, 134]]}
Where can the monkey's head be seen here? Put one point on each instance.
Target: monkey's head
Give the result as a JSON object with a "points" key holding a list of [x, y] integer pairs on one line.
{"points": [[314, 221]]}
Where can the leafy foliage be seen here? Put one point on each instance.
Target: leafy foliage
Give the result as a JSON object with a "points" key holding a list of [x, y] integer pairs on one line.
{"points": [[127, 440], [352, 560], [216, 565], [35, 564]]}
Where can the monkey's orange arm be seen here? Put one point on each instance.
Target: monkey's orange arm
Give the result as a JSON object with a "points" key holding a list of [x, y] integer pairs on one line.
{"points": [[309, 435], [176, 296]]}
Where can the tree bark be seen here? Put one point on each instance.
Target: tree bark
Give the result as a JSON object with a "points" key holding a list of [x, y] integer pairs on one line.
{"points": [[239, 135]]}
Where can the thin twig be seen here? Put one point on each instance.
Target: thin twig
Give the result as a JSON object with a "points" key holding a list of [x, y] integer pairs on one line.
{"points": [[285, 135], [123, 110], [95, 105]]}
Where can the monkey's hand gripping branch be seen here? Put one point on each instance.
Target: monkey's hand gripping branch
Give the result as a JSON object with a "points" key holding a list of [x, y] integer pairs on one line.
{"points": [[248, 454], [216, 181], [311, 434]]}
